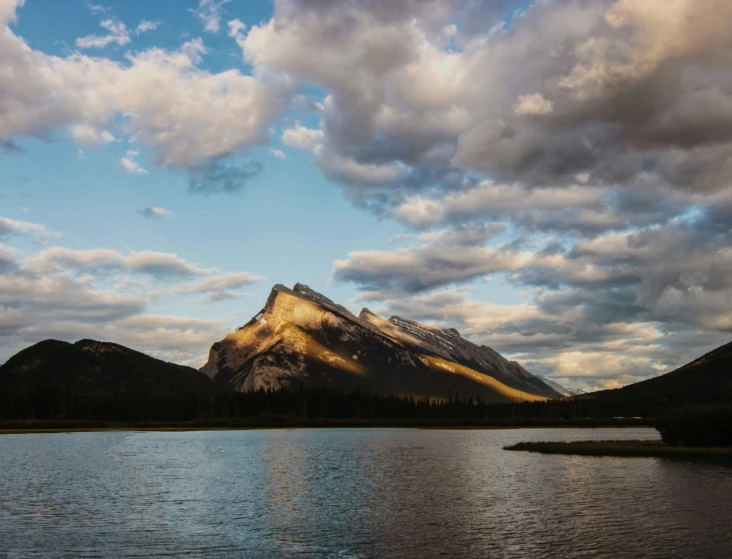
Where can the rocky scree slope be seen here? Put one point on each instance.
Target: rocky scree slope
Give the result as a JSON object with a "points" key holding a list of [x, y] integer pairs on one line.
{"points": [[301, 337]]}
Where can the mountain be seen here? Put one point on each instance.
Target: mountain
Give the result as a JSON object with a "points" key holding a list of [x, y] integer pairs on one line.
{"points": [[301, 337], [707, 380], [91, 367], [100, 380], [561, 389]]}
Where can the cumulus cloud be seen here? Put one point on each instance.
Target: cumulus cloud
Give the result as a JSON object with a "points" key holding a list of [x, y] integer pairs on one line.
{"points": [[595, 136], [581, 125], [604, 88], [570, 209], [300, 137], [189, 117], [419, 212], [533, 105]]}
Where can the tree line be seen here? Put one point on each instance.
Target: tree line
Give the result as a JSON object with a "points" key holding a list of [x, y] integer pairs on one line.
{"points": [[48, 402]]}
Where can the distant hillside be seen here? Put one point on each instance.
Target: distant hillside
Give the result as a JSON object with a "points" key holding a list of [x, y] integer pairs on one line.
{"points": [[706, 380], [302, 338], [99, 379]]}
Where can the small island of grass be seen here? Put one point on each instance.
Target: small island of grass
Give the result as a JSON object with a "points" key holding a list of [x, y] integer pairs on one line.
{"points": [[694, 432], [656, 449]]}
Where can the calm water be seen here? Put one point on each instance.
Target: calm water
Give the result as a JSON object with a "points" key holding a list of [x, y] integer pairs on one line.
{"points": [[352, 493]]}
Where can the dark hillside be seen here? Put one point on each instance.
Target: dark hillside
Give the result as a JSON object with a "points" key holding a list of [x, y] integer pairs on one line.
{"points": [[101, 380], [707, 380]]}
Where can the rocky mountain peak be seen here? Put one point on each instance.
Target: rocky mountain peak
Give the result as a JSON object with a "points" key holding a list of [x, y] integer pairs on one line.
{"points": [[303, 336], [366, 313], [304, 293]]}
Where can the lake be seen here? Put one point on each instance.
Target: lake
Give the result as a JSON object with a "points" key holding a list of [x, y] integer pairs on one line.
{"points": [[352, 493]]}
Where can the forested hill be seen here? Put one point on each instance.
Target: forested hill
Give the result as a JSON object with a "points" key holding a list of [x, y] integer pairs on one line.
{"points": [[707, 380], [100, 380]]}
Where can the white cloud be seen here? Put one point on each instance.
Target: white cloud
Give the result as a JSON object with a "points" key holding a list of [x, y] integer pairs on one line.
{"points": [[157, 264], [220, 288], [161, 264], [209, 12], [301, 137], [151, 212], [534, 104], [236, 27], [470, 235], [278, 153], [117, 33], [222, 282], [11, 227], [348, 170], [419, 212], [88, 135], [106, 295], [187, 116], [129, 164], [146, 25]]}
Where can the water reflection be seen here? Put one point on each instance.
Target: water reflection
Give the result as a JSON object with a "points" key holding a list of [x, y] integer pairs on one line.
{"points": [[352, 493]]}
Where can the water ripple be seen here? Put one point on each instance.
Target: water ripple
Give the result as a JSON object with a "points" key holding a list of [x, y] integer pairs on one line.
{"points": [[352, 493]]}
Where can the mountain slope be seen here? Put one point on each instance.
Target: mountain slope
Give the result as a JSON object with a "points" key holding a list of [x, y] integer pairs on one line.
{"points": [[302, 337]]}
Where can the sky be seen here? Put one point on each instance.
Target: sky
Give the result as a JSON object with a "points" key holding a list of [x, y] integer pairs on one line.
{"points": [[551, 178]]}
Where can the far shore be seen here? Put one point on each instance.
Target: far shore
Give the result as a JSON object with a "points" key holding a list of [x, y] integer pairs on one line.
{"points": [[60, 426], [626, 449]]}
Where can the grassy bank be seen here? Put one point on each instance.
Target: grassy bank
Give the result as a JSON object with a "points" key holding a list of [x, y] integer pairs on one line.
{"points": [[626, 449], [276, 421]]}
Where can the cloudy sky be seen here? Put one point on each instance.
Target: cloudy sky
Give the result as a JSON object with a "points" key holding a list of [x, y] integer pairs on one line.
{"points": [[552, 178]]}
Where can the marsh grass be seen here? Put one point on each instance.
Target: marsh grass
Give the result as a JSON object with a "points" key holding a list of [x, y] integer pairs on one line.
{"points": [[625, 449]]}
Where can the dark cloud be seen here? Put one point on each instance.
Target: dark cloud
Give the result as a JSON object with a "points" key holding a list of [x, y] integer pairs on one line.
{"points": [[422, 268], [218, 177], [10, 147]]}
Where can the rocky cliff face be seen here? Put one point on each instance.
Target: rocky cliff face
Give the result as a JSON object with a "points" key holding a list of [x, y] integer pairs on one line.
{"points": [[300, 336]]}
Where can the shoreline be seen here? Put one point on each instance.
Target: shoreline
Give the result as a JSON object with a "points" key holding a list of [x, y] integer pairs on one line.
{"points": [[29, 427]]}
